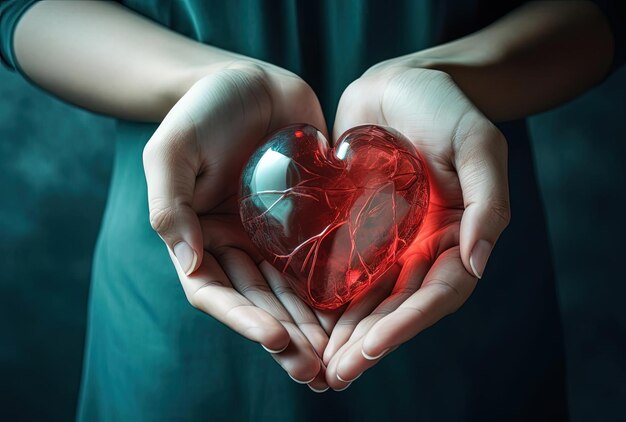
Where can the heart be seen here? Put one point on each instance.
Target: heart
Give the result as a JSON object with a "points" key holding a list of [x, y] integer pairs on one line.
{"points": [[333, 220]]}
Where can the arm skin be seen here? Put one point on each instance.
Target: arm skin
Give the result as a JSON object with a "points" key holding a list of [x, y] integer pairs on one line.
{"points": [[533, 59], [106, 58]]}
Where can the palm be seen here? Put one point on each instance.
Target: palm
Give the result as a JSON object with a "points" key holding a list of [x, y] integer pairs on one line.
{"points": [[440, 230]]}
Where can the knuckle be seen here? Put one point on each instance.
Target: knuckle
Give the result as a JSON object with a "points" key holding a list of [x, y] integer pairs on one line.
{"points": [[162, 220], [195, 297], [471, 159], [456, 298], [193, 300], [148, 153], [347, 322], [474, 134], [255, 288], [500, 139], [497, 142], [168, 146], [500, 211], [403, 291], [283, 291]]}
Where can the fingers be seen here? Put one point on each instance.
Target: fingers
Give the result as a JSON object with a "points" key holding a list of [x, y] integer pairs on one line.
{"points": [[209, 290], [342, 380], [171, 179], [299, 358], [319, 385], [299, 311], [304, 317], [408, 282], [444, 289], [359, 309], [480, 158]]}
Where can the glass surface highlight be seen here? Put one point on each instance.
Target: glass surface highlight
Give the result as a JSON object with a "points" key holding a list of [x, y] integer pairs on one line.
{"points": [[333, 220]]}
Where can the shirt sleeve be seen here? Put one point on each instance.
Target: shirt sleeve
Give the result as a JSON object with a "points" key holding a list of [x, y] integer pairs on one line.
{"points": [[615, 14], [10, 13]]}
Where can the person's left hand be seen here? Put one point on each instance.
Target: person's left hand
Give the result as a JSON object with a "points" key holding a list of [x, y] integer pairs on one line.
{"points": [[466, 156]]}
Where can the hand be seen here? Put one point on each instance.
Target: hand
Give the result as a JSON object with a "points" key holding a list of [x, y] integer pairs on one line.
{"points": [[466, 157], [192, 165]]}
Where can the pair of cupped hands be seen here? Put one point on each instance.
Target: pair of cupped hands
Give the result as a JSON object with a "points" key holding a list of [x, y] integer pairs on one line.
{"points": [[193, 163]]}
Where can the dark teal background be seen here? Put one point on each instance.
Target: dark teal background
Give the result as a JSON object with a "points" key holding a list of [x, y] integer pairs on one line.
{"points": [[55, 163]]}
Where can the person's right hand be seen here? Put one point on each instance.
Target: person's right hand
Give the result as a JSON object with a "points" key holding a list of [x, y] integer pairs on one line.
{"points": [[192, 165]]}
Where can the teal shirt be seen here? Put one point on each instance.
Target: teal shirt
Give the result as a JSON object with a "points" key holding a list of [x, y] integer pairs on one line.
{"points": [[150, 356]]}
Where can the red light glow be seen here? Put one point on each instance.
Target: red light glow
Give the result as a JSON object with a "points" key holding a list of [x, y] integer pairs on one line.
{"points": [[333, 220]]}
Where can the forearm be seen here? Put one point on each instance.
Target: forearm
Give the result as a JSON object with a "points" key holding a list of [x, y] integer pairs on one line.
{"points": [[533, 59], [108, 59]]}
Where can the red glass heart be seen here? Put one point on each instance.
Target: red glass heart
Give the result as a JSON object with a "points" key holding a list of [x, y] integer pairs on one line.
{"points": [[333, 220]]}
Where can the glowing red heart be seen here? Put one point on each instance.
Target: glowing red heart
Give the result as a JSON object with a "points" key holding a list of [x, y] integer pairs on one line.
{"points": [[333, 220]]}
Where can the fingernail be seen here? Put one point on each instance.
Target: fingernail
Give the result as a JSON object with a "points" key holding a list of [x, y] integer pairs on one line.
{"points": [[479, 256], [301, 382], [349, 381], [186, 257], [316, 390], [272, 351], [370, 357], [341, 389]]}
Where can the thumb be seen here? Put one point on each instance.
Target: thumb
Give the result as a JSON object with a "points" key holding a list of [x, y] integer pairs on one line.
{"points": [[171, 178], [480, 158]]}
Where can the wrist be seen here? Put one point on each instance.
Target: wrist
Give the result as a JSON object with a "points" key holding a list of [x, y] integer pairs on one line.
{"points": [[453, 58], [275, 85], [187, 75], [471, 70]]}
